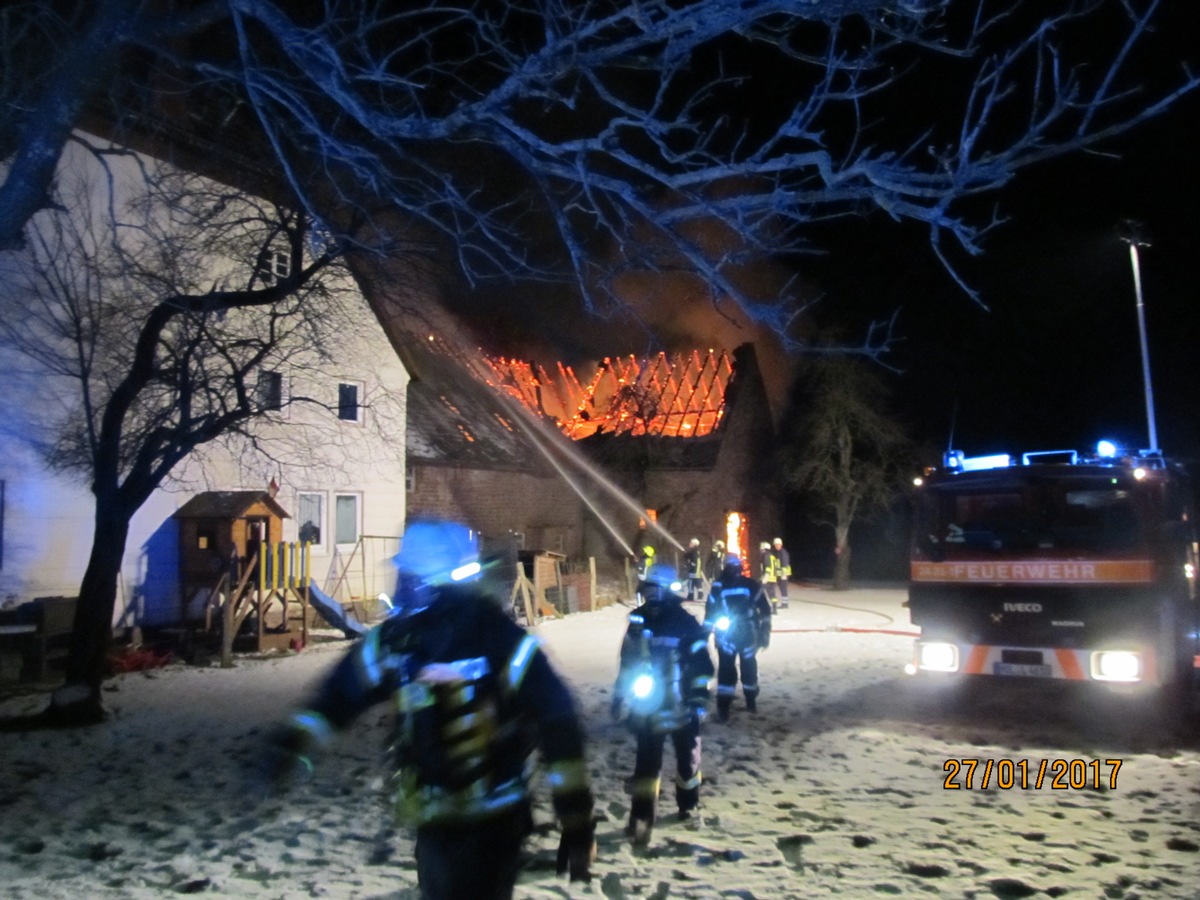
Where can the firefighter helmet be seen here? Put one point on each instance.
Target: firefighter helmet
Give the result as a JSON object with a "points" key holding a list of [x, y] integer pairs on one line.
{"points": [[764, 546], [661, 583], [647, 550], [433, 553], [694, 542], [778, 542]]}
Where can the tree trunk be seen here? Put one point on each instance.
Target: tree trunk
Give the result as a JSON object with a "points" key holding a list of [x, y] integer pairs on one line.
{"points": [[78, 701], [841, 566]]}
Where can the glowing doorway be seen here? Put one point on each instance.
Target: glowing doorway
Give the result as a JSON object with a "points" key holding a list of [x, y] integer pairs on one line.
{"points": [[737, 538]]}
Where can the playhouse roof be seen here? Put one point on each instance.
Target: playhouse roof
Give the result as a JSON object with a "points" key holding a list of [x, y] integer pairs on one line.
{"points": [[228, 505]]}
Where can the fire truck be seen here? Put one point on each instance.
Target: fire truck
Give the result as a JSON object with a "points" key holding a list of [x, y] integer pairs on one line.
{"points": [[1056, 565]]}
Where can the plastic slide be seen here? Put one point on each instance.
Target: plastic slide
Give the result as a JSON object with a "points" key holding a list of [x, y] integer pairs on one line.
{"points": [[335, 614]]}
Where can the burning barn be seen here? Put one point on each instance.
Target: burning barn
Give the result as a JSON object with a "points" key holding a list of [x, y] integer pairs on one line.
{"points": [[588, 465]]}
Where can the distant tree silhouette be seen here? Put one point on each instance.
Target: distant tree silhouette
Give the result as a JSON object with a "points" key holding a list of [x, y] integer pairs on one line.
{"points": [[844, 451]]}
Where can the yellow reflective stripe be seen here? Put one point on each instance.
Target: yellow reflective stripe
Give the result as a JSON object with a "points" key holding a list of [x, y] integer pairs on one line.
{"points": [[463, 724], [646, 787], [567, 775], [518, 664], [472, 746]]}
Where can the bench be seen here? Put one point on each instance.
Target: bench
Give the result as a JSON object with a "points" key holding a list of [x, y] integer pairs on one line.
{"points": [[38, 629]]}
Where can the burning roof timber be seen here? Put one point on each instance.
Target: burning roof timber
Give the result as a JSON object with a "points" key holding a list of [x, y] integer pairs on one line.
{"points": [[667, 395]]}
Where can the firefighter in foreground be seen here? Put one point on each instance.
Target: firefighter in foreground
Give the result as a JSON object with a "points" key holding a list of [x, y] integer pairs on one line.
{"points": [[474, 697], [662, 690], [739, 616]]}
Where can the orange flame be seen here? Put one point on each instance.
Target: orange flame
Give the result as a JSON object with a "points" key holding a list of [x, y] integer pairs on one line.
{"points": [[677, 395]]}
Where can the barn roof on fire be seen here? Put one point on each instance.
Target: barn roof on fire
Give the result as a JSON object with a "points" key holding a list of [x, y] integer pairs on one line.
{"points": [[468, 410], [456, 419], [668, 407]]}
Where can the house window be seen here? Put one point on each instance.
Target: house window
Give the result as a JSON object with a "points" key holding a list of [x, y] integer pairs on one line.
{"points": [[269, 389], [310, 513], [346, 518], [348, 406], [410, 479], [273, 265]]}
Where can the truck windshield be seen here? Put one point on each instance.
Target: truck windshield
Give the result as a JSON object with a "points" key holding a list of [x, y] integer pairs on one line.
{"points": [[1079, 515]]}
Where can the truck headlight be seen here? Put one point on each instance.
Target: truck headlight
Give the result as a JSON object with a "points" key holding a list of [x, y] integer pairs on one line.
{"points": [[1116, 665], [937, 656]]}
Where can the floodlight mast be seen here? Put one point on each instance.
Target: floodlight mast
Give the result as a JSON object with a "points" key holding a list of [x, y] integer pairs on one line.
{"points": [[1133, 234]]}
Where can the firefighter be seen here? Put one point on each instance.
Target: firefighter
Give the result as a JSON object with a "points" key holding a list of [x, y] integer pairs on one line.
{"points": [[783, 570], [767, 573], [645, 562], [474, 697], [716, 561], [693, 564], [739, 617], [662, 690]]}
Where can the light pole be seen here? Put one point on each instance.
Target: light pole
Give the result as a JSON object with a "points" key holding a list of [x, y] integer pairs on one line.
{"points": [[1133, 235]]}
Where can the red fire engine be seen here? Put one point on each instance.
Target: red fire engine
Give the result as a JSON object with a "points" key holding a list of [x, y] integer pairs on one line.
{"points": [[1056, 565]]}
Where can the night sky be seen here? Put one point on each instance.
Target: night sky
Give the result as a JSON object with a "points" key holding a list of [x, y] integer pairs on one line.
{"points": [[1054, 363]]}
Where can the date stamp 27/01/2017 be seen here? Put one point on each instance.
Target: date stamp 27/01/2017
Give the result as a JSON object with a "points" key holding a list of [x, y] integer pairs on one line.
{"points": [[1077, 774]]}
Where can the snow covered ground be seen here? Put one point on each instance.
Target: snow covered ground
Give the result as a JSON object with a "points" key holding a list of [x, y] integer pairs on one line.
{"points": [[836, 788]]}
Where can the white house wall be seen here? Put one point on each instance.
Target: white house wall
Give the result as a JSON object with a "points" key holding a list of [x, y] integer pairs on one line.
{"points": [[47, 517]]}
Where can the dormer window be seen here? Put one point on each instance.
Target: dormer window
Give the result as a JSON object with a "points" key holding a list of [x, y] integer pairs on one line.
{"points": [[269, 389], [348, 407]]}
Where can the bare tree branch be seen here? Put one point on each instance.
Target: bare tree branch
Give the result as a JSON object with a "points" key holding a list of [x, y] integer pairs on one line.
{"points": [[482, 121]]}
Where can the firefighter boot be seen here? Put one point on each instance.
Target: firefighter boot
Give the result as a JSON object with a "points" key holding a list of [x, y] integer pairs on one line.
{"points": [[641, 820], [687, 799], [752, 703], [723, 704]]}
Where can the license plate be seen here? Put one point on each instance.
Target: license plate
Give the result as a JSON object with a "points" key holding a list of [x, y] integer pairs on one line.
{"points": [[1020, 670]]}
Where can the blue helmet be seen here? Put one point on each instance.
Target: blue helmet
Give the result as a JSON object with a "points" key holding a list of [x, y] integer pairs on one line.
{"points": [[661, 583], [434, 553]]}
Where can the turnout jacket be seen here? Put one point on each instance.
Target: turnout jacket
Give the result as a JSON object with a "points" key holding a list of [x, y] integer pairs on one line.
{"points": [[744, 603], [667, 639], [474, 697]]}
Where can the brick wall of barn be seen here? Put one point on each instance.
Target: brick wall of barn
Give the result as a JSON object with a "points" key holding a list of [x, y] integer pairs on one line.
{"points": [[545, 510]]}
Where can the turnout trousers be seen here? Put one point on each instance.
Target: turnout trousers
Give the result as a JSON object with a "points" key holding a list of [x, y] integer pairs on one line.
{"points": [[648, 770], [472, 860], [728, 664]]}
